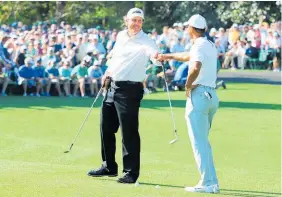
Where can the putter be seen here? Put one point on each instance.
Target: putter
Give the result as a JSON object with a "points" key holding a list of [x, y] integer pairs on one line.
{"points": [[81, 126], [172, 115]]}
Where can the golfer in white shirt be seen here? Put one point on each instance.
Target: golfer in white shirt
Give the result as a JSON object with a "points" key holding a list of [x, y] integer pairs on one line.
{"points": [[202, 101], [127, 67]]}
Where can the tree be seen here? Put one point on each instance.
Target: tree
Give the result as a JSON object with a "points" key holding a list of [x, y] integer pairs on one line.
{"points": [[109, 14], [248, 12]]}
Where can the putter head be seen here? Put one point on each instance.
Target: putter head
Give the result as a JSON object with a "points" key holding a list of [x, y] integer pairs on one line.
{"points": [[67, 151], [176, 137], [173, 141]]}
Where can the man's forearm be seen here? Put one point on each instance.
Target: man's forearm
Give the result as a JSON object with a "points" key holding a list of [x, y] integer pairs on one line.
{"points": [[182, 57], [192, 76]]}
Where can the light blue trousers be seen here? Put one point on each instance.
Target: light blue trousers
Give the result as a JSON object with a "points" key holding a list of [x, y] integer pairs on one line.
{"points": [[201, 107]]}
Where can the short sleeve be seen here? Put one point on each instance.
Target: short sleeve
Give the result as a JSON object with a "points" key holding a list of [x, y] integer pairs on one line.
{"points": [[151, 48], [196, 54]]}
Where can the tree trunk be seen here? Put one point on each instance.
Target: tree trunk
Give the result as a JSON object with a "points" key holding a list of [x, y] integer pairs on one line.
{"points": [[144, 7], [60, 7], [131, 4]]}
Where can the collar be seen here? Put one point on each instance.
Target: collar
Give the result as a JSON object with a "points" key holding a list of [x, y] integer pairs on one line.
{"points": [[199, 38], [138, 35]]}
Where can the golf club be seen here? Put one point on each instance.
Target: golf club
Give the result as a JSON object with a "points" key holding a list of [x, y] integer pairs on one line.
{"points": [[169, 100], [81, 126]]}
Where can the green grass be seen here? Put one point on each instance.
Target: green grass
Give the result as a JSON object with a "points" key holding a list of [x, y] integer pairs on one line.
{"points": [[245, 138]]}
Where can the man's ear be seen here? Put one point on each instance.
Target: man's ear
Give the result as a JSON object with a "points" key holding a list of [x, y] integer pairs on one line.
{"points": [[125, 21]]}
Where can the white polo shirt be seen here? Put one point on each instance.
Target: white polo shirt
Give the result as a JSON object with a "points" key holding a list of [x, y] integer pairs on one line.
{"points": [[130, 56], [204, 51]]}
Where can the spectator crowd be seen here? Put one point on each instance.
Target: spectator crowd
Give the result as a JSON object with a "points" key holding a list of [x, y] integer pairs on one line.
{"points": [[65, 60]]}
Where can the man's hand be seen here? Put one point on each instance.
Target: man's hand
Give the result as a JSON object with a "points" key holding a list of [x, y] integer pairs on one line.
{"points": [[189, 90], [162, 57], [106, 81], [155, 56]]}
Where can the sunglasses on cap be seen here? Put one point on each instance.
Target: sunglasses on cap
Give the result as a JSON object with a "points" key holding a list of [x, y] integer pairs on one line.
{"points": [[136, 12]]}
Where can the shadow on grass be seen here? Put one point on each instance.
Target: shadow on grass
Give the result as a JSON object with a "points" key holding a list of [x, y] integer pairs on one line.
{"points": [[227, 192], [224, 192], [223, 104], [69, 103], [250, 80]]}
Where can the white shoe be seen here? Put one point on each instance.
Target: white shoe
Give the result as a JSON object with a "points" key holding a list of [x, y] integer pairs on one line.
{"points": [[24, 94], [203, 189], [147, 91], [38, 95]]}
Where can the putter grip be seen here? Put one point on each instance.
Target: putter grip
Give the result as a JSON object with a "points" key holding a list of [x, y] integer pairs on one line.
{"points": [[107, 82]]}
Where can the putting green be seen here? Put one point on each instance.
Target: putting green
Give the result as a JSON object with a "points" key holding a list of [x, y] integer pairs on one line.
{"points": [[245, 139]]}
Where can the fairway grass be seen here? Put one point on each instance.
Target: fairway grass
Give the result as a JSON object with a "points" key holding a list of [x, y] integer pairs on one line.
{"points": [[245, 140]]}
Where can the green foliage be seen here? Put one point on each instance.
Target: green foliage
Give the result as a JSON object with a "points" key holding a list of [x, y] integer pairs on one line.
{"points": [[26, 11], [109, 13], [248, 12]]}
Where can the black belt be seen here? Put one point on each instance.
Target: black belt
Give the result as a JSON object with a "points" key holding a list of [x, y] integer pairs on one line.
{"points": [[121, 83]]}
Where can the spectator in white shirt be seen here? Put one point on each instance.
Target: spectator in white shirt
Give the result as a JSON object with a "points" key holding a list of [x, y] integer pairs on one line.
{"points": [[95, 45], [165, 36]]}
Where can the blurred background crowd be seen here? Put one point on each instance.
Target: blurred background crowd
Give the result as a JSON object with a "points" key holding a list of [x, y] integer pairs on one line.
{"points": [[58, 58]]}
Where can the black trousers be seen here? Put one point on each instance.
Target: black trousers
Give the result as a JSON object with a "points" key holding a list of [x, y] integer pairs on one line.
{"points": [[123, 112]]}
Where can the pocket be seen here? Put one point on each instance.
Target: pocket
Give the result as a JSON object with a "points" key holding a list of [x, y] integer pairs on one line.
{"points": [[199, 101], [130, 92], [139, 93]]}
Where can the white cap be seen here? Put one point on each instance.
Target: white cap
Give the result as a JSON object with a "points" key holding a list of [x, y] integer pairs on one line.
{"points": [[180, 25], [197, 21], [133, 12], [235, 25], [73, 33], [10, 50], [65, 61], [256, 26], [28, 60], [213, 30], [102, 56], [14, 36], [36, 42], [60, 36], [96, 63], [23, 47], [44, 40], [87, 58], [68, 34], [221, 29], [93, 36], [51, 61], [50, 49], [185, 23]]}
